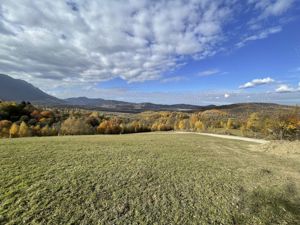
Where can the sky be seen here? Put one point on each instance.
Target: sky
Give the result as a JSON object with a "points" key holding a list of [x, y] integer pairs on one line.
{"points": [[163, 51]]}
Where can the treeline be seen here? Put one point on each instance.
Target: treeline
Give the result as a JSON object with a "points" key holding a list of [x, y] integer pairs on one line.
{"points": [[25, 120]]}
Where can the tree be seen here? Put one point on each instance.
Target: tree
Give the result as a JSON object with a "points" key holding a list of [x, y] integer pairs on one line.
{"points": [[36, 130], [4, 128], [199, 126], [47, 114], [229, 124], [24, 130], [184, 124], [155, 126], [181, 125], [193, 121], [14, 130], [253, 122], [73, 126], [45, 131], [103, 127]]}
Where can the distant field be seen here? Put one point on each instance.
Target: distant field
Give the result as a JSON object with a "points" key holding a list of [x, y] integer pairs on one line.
{"points": [[146, 179]]}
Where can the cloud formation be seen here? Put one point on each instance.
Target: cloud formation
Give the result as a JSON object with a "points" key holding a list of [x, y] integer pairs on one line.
{"points": [[94, 41], [257, 82], [284, 88], [261, 35], [208, 72], [271, 7], [76, 41]]}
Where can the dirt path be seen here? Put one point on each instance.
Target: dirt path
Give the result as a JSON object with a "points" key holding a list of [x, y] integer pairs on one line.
{"points": [[260, 141]]}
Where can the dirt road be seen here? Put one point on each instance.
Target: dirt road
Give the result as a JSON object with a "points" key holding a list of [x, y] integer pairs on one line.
{"points": [[260, 141]]}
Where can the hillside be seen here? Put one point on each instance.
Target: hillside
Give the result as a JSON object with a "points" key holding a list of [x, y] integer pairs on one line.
{"points": [[158, 178], [19, 90]]}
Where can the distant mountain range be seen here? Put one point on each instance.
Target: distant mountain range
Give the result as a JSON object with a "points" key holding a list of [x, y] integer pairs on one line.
{"points": [[120, 106], [19, 90]]}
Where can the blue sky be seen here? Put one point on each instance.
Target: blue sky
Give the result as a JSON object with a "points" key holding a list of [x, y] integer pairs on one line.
{"points": [[197, 52]]}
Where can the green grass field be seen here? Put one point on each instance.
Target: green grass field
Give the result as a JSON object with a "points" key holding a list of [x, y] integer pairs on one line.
{"points": [[145, 179]]}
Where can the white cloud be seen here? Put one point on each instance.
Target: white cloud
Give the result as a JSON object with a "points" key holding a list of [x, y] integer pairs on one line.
{"points": [[272, 7], [264, 22], [262, 35], [285, 89], [208, 72], [226, 95], [173, 79], [58, 43], [257, 82], [100, 40]]}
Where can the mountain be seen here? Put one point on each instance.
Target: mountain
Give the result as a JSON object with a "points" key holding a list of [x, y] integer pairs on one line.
{"points": [[19, 90], [121, 106]]}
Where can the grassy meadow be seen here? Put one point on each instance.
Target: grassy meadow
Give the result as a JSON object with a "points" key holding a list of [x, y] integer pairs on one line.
{"points": [[153, 178]]}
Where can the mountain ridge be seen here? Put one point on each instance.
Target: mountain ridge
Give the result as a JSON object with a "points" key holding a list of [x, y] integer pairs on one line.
{"points": [[19, 90]]}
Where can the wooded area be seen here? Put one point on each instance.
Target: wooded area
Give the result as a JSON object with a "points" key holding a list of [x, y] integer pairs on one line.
{"points": [[24, 120]]}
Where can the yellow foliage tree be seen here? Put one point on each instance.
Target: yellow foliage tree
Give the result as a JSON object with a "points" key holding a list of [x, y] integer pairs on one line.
{"points": [[74, 126], [45, 131], [4, 128], [199, 126], [229, 124], [253, 122], [181, 125], [103, 127], [24, 130], [193, 121], [14, 130]]}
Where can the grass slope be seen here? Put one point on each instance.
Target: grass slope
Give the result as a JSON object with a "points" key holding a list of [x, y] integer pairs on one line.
{"points": [[145, 179]]}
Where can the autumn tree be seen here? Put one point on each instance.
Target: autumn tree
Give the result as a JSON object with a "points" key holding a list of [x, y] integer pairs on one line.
{"points": [[253, 122], [4, 128], [199, 126], [103, 127], [193, 120], [24, 130], [46, 131], [229, 124], [14, 130], [74, 126], [36, 130]]}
